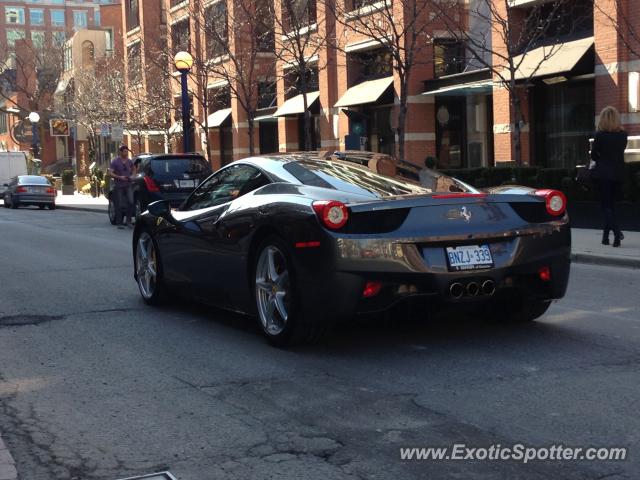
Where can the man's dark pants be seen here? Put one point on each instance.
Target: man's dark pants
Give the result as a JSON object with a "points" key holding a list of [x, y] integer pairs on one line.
{"points": [[123, 200]]}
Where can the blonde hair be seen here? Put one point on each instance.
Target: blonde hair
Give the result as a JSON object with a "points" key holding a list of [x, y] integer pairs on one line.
{"points": [[609, 120]]}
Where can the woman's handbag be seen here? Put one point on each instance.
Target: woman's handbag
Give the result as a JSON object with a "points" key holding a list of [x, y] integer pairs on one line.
{"points": [[584, 174]]}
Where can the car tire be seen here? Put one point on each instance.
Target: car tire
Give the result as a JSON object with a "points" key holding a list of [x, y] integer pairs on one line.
{"points": [[148, 269], [41, 207], [52, 206], [280, 314], [13, 203], [137, 208], [112, 211]]}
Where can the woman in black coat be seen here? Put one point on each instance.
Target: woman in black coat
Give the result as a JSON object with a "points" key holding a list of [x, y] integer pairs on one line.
{"points": [[607, 152]]}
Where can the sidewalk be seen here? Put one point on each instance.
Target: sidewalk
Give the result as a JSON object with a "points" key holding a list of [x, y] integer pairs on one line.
{"points": [[586, 247], [7, 464], [86, 203]]}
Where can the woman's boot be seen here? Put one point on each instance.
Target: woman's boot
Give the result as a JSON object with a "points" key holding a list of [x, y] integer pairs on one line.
{"points": [[605, 237]]}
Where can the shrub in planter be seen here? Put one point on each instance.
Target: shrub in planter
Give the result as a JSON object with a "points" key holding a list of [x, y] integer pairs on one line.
{"points": [[67, 182]]}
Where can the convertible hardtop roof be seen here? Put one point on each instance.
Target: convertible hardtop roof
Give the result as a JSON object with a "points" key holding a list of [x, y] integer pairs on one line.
{"points": [[376, 162]]}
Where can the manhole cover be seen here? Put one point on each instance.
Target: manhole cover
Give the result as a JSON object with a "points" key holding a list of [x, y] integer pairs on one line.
{"points": [[153, 476]]}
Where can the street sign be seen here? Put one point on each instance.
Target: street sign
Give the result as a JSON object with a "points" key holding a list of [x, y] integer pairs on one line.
{"points": [[59, 127], [104, 130], [117, 132]]}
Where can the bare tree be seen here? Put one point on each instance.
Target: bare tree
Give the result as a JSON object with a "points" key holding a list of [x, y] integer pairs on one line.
{"points": [[94, 99], [514, 47], [300, 36], [403, 30], [238, 52], [29, 76], [627, 31]]}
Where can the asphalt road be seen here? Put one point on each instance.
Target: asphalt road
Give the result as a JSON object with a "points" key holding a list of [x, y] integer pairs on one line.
{"points": [[96, 385]]}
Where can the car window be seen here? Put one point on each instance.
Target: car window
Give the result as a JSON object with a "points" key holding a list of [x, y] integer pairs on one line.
{"points": [[227, 185], [171, 168], [33, 180]]}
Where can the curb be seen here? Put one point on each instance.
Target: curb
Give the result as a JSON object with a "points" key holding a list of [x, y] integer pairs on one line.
{"points": [[7, 463], [605, 260]]}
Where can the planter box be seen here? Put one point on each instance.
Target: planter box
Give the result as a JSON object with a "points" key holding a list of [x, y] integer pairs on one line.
{"points": [[68, 189]]}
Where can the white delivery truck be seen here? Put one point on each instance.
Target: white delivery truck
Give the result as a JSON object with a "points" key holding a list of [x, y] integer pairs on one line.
{"points": [[11, 164]]}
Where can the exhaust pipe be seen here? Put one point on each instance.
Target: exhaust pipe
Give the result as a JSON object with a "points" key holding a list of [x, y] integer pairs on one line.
{"points": [[473, 289], [456, 290], [488, 287]]}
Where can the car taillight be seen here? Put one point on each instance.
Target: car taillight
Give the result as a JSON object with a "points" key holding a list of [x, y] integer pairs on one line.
{"points": [[151, 185], [332, 214], [554, 200], [51, 190], [21, 190]]}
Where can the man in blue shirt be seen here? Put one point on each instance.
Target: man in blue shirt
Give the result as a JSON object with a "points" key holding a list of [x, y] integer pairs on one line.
{"points": [[121, 170]]}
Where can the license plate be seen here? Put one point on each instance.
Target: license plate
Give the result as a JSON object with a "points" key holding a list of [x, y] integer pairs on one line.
{"points": [[187, 184], [469, 257]]}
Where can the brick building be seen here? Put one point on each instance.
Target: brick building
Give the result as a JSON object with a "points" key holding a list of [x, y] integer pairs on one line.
{"points": [[39, 28], [457, 106]]}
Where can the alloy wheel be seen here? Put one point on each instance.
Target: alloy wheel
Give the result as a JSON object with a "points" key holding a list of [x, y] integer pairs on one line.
{"points": [[146, 265], [273, 290]]}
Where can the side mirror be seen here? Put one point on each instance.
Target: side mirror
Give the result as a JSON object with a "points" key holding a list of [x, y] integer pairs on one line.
{"points": [[160, 208]]}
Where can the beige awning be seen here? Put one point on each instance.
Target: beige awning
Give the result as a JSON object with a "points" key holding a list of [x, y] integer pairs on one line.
{"points": [[62, 87], [217, 118], [551, 59], [175, 128], [366, 92], [295, 105], [470, 88]]}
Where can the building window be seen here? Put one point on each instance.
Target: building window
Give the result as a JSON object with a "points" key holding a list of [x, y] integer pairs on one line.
{"points": [[88, 53], [13, 35], [293, 82], [267, 95], [57, 18], [448, 57], [264, 29], [108, 33], [59, 38], [96, 18], [216, 29], [3, 123], [134, 58], [37, 38], [298, 14], [368, 65], [80, 19], [219, 98], [14, 15], [67, 59], [133, 19], [36, 16], [180, 36], [357, 4]]}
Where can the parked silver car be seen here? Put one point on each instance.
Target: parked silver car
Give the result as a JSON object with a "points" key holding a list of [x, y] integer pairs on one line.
{"points": [[30, 190]]}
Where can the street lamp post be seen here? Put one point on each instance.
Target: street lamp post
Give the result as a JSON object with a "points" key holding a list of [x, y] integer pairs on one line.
{"points": [[183, 62], [34, 118]]}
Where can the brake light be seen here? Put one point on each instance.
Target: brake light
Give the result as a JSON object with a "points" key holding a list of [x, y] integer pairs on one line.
{"points": [[545, 274], [151, 185], [554, 200], [21, 190], [332, 214], [371, 289], [51, 190]]}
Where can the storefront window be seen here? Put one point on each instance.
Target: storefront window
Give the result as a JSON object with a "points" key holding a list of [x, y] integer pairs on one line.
{"points": [[563, 123]]}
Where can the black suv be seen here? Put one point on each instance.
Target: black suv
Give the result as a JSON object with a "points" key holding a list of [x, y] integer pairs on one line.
{"points": [[164, 177]]}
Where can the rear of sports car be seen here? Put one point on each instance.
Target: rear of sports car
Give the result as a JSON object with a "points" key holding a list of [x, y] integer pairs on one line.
{"points": [[508, 252]]}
